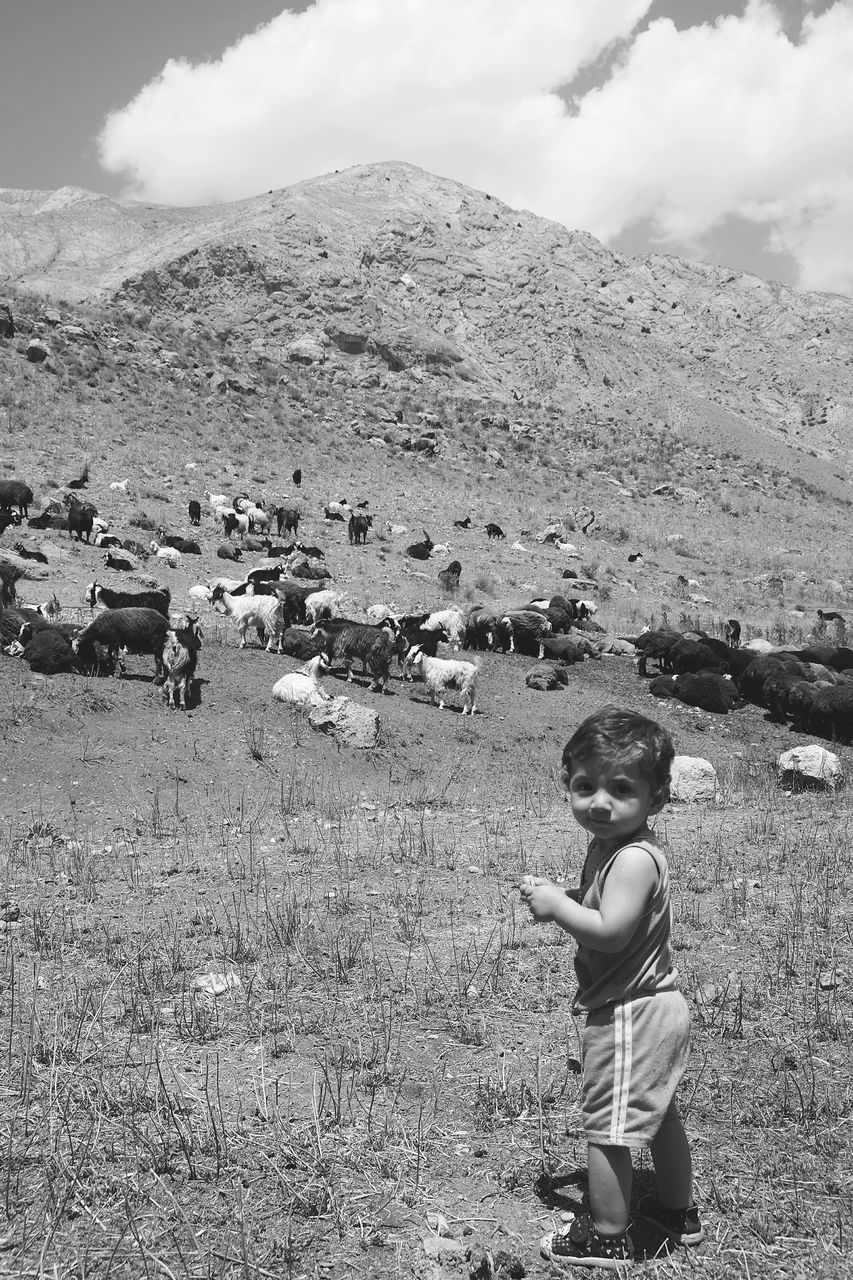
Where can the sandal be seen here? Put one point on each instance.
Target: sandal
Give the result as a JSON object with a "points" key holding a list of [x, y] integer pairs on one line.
{"points": [[581, 1245]]}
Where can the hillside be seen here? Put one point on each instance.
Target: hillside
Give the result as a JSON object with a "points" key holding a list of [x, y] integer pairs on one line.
{"points": [[387, 269]]}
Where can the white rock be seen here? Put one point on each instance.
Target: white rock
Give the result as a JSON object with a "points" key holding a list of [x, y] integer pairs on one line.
{"points": [[692, 779], [812, 766]]}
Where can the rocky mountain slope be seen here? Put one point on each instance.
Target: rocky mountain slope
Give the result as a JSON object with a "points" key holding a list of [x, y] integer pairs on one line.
{"points": [[387, 270]]}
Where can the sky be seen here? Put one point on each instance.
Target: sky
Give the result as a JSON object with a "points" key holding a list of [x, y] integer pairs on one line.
{"points": [[714, 131]]}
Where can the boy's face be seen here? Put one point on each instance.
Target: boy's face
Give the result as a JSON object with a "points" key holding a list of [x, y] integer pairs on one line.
{"points": [[611, 800]]}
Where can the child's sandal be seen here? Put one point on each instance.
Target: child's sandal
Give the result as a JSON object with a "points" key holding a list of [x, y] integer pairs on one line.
{"points": [[581, 1245]]}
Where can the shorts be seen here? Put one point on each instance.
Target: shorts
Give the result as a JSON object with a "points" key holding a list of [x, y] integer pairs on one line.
{"points": [[634, 1054]]}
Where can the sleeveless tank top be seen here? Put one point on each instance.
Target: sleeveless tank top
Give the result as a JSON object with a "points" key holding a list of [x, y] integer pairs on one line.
{"points": [[645, 966]]}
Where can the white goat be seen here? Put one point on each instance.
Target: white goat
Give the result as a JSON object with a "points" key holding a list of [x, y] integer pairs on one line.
{"points": [[448, 620], [323, 604], [441, 674], [50, 609], [170, 554], [265, 613], [119, 485], [258, 518], [217, 500], [100, 525], [302, 688]]}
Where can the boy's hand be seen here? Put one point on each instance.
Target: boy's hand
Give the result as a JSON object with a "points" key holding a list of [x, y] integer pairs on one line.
{"points": [[541, 896]]}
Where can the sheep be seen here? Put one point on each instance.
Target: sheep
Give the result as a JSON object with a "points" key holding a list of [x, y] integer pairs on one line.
{"points": [[483, 628], [15, 493], [194, 510], [302, 688], [119, 486], [299, 643], [180, 659], [10, 574], [494, 530], [226, 552], [827, 712], [441, 674], [707, 690], [323, 604], [654, 644], [135, 630], [563, 649], [692, 655], [49, 652], [170, 554], [316, 572], [451, 622], [297, 477], [265, 613], [373, 646], [527, 630], [547, 676], [158, 600], [421, 550]]}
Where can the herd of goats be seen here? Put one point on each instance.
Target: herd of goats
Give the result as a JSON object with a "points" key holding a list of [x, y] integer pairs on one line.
{"points": [[286, 602]]}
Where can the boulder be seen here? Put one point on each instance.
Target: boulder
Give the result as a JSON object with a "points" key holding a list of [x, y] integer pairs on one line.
{"points": [[350, 724], [810, 767], [692, 779], [306, 350], [37, 351]]}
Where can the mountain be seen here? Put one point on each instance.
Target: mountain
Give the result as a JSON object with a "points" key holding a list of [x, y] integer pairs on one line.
{"points": [[388, 270]]}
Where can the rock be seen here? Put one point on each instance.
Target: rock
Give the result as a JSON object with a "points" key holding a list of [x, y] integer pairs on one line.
{"points": [[37, 351], [435, 1246], [692, 779], [810, 767], [349, 723], [306, 350], [52, 317], [7, 324]]}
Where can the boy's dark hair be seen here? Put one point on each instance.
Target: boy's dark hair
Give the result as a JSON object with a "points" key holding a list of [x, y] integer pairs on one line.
{"points": [[614, 733]]}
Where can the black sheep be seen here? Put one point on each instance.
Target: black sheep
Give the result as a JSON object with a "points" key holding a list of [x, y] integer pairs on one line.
{"points": [[707, 690], [15, 493], [137, 630], [49, 652], [547, 676]]}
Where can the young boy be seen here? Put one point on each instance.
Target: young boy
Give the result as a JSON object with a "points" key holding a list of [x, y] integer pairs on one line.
{"points": [[635, 1043]]}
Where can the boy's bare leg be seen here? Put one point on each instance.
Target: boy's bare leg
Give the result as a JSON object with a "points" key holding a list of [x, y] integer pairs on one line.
{"points": [[610, 1177], [673, 1164]]}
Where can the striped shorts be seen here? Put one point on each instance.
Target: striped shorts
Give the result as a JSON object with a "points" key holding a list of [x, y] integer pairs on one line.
{"points": [[634, 1054]]}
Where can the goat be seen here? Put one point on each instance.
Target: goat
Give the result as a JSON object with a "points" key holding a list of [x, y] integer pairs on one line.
{"points": [[829, 615], [313, 553], [449, 577], [180, 658], [186, 546], [13, 518], [158, 600], [265, 613], [287, 519], [441, 674], [494, 530], [451, 622], [119, 486], [81, 518], [421, 550], [194, 509], [358, 527], [135, 630], [170, 554], [527, 629], [462, 524], [50, 609], [121, 563], [297, 477], [302, 688], [322, 604], [228, 552], [233, 522], [732, 632], [27, 553], [350, 641]]}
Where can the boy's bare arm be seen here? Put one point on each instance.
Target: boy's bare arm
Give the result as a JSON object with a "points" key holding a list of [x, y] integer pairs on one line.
{"points": [[629, 883]]}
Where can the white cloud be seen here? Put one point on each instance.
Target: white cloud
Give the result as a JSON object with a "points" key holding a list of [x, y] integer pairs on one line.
{"points": [[690, 129]]}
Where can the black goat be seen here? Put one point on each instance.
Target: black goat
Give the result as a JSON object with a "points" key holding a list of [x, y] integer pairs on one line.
{"points": [[287, 520], [421, 550], [462, 524], [158, 600], [494, 530], [194, 509]]}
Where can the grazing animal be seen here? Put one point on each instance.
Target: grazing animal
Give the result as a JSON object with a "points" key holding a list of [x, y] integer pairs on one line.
{"points": [[421, 550], [732, 633], [81, 481], [654, 644], [302, 688], [287, 519], [235, 522], [322, 604], [494, 530], [451, 622], [81, 517], [265, 613], [357, 641], [449, 577], [526, 629], [827, 712], [297, 477], [186, 546], [158, 600], [337, 511], [228, 552], [15, 493], [829, 615], [170, 554], [9, 517], [298, 643], [136, 630], [635, 558], [194, 509], [441, 674], [547, 676], [707, 690], [314, 553], [565, 649], [462, 524], [119, 486], [27, 553], [316, 572], [50, 609], [9, 575], [358, 527], [180, 659], [48, 651], [107, 540], [119, 562]]}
